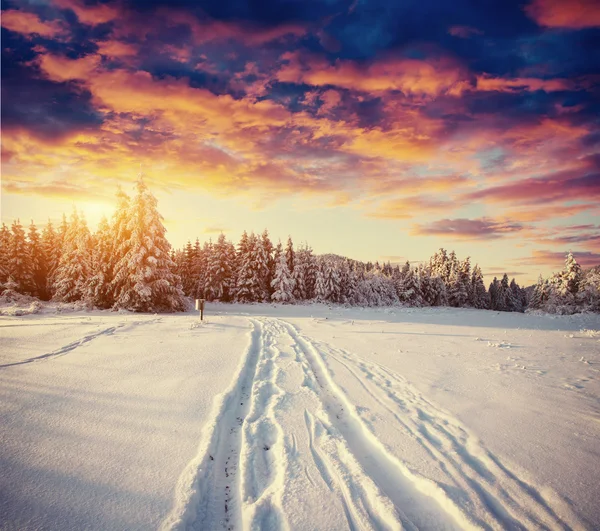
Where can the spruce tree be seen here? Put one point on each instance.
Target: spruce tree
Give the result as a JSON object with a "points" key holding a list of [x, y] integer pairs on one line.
{"points": [[38, 263], [145, 273], [73, 271], [321, 293], [5, 238], [52, 249], [283, 283], [478, 296], [19, 265], [99, 286], [290, 255]]}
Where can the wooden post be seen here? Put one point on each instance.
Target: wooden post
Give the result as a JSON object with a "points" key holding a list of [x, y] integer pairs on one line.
{"points": [[200, 307]]}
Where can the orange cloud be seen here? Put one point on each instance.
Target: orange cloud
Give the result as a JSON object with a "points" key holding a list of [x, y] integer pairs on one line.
{"points": [[488, 83], [556, 260], [410, 207], [91, 14], [30, 24], [468, 229], [114, 48], [60, 68], [410, 76], [542, 213], [573, 14]]}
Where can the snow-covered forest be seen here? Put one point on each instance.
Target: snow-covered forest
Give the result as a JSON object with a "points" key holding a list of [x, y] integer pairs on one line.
{"points": [[128, 263]]}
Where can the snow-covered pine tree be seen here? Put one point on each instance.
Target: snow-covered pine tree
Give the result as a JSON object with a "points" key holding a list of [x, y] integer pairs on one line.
{"points": [[5, 238], [515, 299], [244, 286], [321, 293], [39, 271], [266, 264], [277, 253], [478, 296], [283, 283], [332, 281], [121, 238], [220, 268], [588, 297], [145, 272], [52, 249], [503, 295], [19, 265], [438, 288], [203, 271], [73, 271], [423, 274], [290, 255], [185, 270], [572, 278], [99, 286], [493, 291], [406, 285]]}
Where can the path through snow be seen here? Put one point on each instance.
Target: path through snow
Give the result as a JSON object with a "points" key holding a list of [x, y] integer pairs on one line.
{"points": [[288, 447]]}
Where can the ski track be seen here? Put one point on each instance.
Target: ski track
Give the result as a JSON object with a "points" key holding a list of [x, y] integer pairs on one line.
{"points": [[82, 341], [285, 427]]}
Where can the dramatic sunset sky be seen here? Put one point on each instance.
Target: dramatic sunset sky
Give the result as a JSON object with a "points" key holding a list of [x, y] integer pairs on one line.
{"points": [[375, 129]]}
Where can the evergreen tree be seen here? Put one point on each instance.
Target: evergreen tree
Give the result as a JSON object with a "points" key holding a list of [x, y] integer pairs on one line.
{"points": [[283, 283], [52, 250], [572, 277], [37, 260], [332, 282], [265, 264], [321, 293], [19, 265], [515, 299], [5, 240], [121, 246], [253, 272], [73, 271], [99, 286], [145, 273], [290, 255], [478, 296]]}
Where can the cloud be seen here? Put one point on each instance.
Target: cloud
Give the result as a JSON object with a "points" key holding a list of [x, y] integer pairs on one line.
{"points": [[410, 76], [464, 32], [27, 23], [574, 14], [114, 48], [556, 260], [553, 211], [499, 84], [88, 13], [559, 187], [469, 229], [410, 207]]}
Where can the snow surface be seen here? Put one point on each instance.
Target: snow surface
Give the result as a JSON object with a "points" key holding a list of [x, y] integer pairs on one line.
{"points": [[300, 417]]}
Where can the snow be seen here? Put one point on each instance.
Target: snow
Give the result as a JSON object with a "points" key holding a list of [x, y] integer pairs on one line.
{"points": [[300, 417]]}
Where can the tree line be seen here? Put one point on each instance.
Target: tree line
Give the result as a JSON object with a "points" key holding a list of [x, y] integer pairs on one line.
{"points": [[128, 263]]}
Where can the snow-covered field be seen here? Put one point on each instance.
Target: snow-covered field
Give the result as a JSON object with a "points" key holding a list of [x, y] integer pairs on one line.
{"points": [[300, 417]]}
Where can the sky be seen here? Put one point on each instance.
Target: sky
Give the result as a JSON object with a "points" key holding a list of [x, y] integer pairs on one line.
{"points": [[373, 129]]}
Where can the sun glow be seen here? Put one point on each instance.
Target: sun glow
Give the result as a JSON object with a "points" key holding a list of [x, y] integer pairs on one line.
{"points": [[94, 211]]}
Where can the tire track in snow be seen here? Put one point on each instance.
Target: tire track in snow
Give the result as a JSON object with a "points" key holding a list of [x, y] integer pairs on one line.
{"points": [[418, 502], [82, 341], [509, 502], [285, 434], [262, 458], [67, 348], [208, 494]]}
